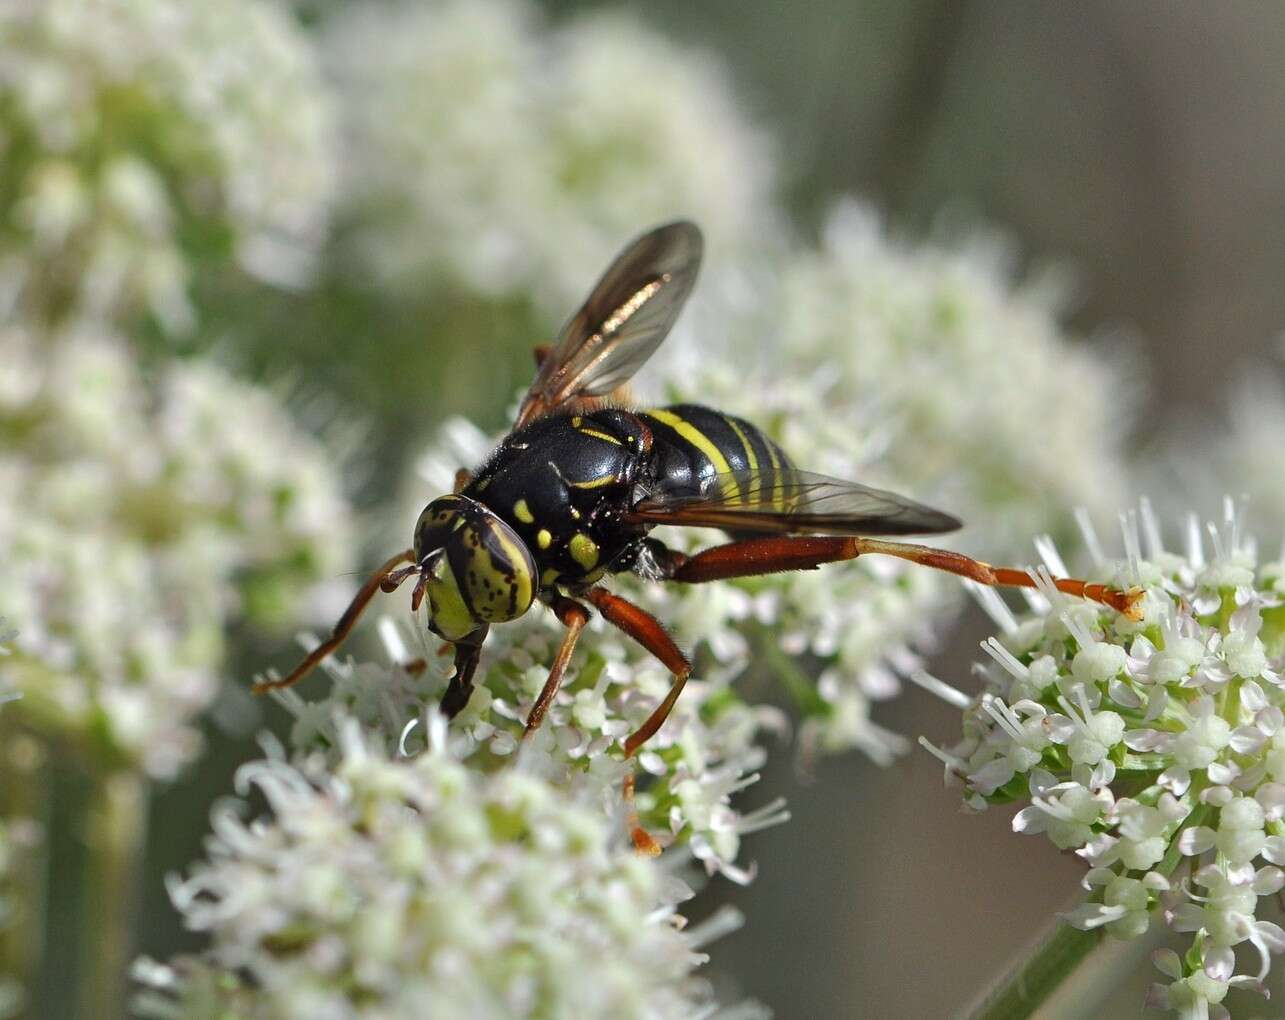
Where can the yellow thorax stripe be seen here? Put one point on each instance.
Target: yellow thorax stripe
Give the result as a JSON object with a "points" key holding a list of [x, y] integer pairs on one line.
{"points": [[702, 442], [605, 437]]}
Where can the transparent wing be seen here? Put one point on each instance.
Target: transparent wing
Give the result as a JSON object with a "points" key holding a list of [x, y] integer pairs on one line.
{"points": [[789, 502], [621, 323]]}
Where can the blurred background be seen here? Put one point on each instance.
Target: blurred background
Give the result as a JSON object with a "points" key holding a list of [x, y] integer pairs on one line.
{"points": [[1130, 152]]}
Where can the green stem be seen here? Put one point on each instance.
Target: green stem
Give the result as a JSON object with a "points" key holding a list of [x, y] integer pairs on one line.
{"points": [[1051, 961], [116, 827], [791, 676], [25, 808]]}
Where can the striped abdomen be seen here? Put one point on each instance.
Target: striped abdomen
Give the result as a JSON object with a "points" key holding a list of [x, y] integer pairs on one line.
{"points": [[690, 443]]}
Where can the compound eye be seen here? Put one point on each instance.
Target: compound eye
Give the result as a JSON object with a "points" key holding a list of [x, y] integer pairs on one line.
{"points": [[498, 570], [434, 527]]}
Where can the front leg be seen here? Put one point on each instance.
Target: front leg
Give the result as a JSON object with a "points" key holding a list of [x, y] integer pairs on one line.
{"points": [[468, 652], [574, 616]]}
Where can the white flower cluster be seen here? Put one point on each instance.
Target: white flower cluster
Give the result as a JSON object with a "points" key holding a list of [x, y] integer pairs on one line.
{"points": [[129, 519], [1153, 748], [703, 755], [387, 887], [139, 132], [917, 369], [689, 771], [1246, 456], [491, 155], [940, 363]]}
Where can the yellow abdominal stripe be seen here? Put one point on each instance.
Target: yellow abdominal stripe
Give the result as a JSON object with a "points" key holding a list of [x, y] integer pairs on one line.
{"points": [[750, 459], [699, 440]]}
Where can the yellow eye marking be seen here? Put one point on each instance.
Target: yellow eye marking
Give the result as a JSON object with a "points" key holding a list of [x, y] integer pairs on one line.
{"points": [[523, 512], [544, 538], [699, 440], [575, 422], [584, 550]]}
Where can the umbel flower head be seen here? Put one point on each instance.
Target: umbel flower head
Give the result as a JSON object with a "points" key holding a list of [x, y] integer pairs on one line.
{"points": [[135, 522], [1151, 748], [138, 132], [855, 400], [391, 887], [940, 359], [1246, 454], [705, 754], [493, 156]]}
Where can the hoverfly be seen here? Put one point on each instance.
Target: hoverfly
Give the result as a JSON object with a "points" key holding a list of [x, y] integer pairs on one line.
{"points": [[574, 491]]}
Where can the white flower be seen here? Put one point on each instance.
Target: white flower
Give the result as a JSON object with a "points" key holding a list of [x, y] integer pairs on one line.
{"points": [[132, 124], [688, 772], [1145, 830], [1246, 455], [1066, 811], [1186, 714], [873, 360], [134, 523], [954, 376], [404, 887], [492, 156], [1125, 907]]}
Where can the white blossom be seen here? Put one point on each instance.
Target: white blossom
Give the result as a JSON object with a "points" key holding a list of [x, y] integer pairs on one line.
{"points": [[828, 403], [133, 127], [1184, 716], [492, 155], [385, 887], [1239, 453], [688, 773], [955, 378], [893, 364], [136, 521]]}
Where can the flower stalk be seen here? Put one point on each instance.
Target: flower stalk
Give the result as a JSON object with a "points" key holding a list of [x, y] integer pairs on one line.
{"points": [[116, 827], [24, 809], [1055, 957]]}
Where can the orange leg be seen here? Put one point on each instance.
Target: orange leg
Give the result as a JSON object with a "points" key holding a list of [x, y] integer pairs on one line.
{"points": [[384, 579], [647, 631], [640, 837], [772, 555], [574, 616]]}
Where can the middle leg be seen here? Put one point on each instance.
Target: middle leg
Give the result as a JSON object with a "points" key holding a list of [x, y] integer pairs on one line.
{"points": [[648, 632]]}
